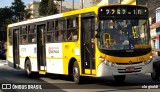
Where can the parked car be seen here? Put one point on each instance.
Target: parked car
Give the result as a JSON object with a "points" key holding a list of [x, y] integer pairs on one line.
{"points": [[156, 68]]}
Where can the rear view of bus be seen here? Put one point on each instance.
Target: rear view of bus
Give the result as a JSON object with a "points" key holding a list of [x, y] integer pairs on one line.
{"points": [[123, 41]]}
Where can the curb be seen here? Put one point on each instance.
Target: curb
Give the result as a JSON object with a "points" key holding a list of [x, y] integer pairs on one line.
{"points": [[3, 62]]}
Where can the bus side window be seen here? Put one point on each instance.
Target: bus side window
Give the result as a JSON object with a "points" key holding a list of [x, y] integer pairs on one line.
{"points": [[60, 36], [72, 35], [50, 31], [60, 33], [32, 33], [23, 35], [23, 39], [72, 29]]}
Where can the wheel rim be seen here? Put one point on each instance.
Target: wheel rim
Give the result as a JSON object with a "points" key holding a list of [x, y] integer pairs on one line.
{"points": [[76, 73], [28, 69]]}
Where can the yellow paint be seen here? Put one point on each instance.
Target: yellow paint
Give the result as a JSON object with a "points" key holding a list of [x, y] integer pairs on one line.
{"points": [[88, 71], [68, 53], [126, 59], [81, 11], [134, 3], [130, 2], [141, 46], [42, 72], [93, 75]]}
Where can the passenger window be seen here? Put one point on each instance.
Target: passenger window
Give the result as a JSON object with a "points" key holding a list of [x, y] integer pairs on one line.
{"points": [[32, 33]]}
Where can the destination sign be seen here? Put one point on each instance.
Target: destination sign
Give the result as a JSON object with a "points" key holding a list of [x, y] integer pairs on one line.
{"points": [[122, 10]]}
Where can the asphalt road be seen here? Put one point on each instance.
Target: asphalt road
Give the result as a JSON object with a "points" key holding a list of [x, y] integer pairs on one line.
{"points": [[58, 83]]}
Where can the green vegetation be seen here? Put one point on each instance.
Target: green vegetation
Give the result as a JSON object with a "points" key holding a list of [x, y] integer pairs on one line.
{"points": [[18, 10], [47, 7]]}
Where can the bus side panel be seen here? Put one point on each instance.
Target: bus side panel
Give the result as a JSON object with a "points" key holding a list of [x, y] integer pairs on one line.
{"points": [[70, 50], [54, 58], [10, 56], [28, 51]]}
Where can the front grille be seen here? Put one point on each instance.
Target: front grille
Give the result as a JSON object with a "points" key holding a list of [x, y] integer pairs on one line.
{"points": [[129, 71], [129, 63], [138, 69]]}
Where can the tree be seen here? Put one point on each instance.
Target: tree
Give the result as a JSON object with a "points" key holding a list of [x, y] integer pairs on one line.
{"points": [[5, 13], [18, 10], [47, 7], [52, 8], [43, 7], [5, 19]]}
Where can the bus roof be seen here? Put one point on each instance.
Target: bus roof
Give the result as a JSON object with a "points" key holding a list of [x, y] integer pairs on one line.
{"points": [[35, 20], [70, 13]]}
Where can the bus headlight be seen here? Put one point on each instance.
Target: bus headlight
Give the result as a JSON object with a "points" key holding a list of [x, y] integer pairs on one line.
{"points": [[106, 62], [111, 64], [148, 61]]}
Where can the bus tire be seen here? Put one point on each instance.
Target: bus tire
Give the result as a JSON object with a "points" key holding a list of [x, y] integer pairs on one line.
{"points": [[28, 70], [119, 78], [76, 73], [155, 75]]}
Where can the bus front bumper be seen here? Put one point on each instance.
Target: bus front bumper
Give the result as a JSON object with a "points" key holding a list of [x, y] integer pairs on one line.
{"points": [[123, 69]]}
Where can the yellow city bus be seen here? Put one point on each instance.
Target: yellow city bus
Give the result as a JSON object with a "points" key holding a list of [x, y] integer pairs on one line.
{"points": [[99, 41]]}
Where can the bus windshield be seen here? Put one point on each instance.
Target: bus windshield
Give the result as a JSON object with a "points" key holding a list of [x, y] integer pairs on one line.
{"points": [[122, 34]]}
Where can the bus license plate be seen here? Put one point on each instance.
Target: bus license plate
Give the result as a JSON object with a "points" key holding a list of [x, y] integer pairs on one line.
{"points": [[129, 69]]}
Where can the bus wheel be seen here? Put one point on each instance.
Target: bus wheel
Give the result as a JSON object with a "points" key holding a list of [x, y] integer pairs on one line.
{"points": [[76, 73], [155, 75], [119, 78], [28, 69]]}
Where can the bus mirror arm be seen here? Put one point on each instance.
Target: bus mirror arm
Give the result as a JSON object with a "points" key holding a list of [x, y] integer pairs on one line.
{"points": [[97, 35], [96, 26], [96, 29]]}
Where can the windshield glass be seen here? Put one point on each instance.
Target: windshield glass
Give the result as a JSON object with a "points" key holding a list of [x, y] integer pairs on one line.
{"points": [[124, 34]]}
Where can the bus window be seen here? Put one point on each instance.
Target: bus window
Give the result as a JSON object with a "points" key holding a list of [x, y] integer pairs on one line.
{"points": [[72, 23], [32, 33], [23, 35], [72, 29], [56, 25], [72, 35], [31, 29], [60, 30], [31, 38], [23, 39], [61, 24], [60, 36], [23, 30], [50, 31], [50, 36]]}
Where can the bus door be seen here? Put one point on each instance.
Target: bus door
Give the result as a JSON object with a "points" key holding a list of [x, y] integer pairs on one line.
{"points": [[16, 48], [41, 51], [87, 45]]}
